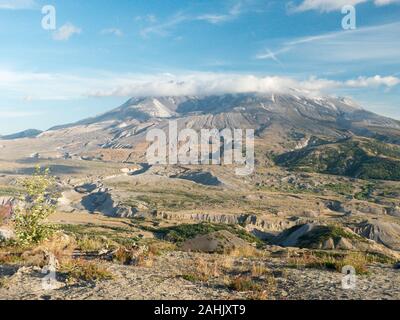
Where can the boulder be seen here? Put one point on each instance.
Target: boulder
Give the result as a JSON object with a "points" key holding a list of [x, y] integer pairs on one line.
{"points": [[215, 242]]}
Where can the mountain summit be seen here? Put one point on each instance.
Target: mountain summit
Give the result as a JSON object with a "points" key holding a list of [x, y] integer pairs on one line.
{"points": [[282, 122]]}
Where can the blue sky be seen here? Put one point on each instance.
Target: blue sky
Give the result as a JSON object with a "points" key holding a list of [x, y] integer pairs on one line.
{"points": [[104, 52]]}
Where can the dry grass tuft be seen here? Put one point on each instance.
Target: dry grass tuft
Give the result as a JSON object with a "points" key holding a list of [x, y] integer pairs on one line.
{"points": [[207, 269], [37, 255], [124, 256], [357, 260], [204, 270], [90, 243], [145, 260], [244, 283], [246, 251], [81, 270], [259, 269], [137, 256], [4, 282], [258, 287], [259, 295], [332, 261], [158, 247], [227, 263]]}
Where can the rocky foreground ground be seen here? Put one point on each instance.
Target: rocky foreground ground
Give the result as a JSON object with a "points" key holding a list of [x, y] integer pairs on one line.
{"points": [[176, 275]]}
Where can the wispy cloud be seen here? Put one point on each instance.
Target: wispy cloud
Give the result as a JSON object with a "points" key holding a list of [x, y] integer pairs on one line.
{"points": [[268, 54], [332, 5], [375, 43], [17, 4], [113, 31], [151, 18], [385, 2], [164, 28], [214, 18], [65, 32], [31, 86], [8, 114]]}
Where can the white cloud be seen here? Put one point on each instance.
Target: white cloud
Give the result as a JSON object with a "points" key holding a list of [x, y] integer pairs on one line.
{"points": [[17, 4], [195, 84], [114, 31], [65, 32], [216, 83], [332, 5], [323, 5], [45, 86], [385, 2], [376, 81]]}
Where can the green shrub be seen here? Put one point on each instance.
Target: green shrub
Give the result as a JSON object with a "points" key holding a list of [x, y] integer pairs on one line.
{"points": [[180, 233], [30, 226], [355, 157], [322, 233]]}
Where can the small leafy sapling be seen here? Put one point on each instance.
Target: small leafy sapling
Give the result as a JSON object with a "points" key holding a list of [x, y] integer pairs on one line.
{"points": [[40, 199]]}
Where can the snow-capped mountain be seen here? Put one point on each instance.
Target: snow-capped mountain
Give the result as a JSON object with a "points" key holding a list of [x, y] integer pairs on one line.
{"points": [[287, 106], [272, 115]]}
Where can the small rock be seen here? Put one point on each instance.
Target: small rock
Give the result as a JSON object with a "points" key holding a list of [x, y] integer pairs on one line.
{"points": [[35, 155], [66, 156], [103, 252], [86, 188], [6, 234], [344, 244], [328, 244], [310, 214]]}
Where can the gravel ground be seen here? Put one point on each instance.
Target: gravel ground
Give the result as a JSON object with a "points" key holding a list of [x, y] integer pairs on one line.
{"points": [[163, 281]]}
